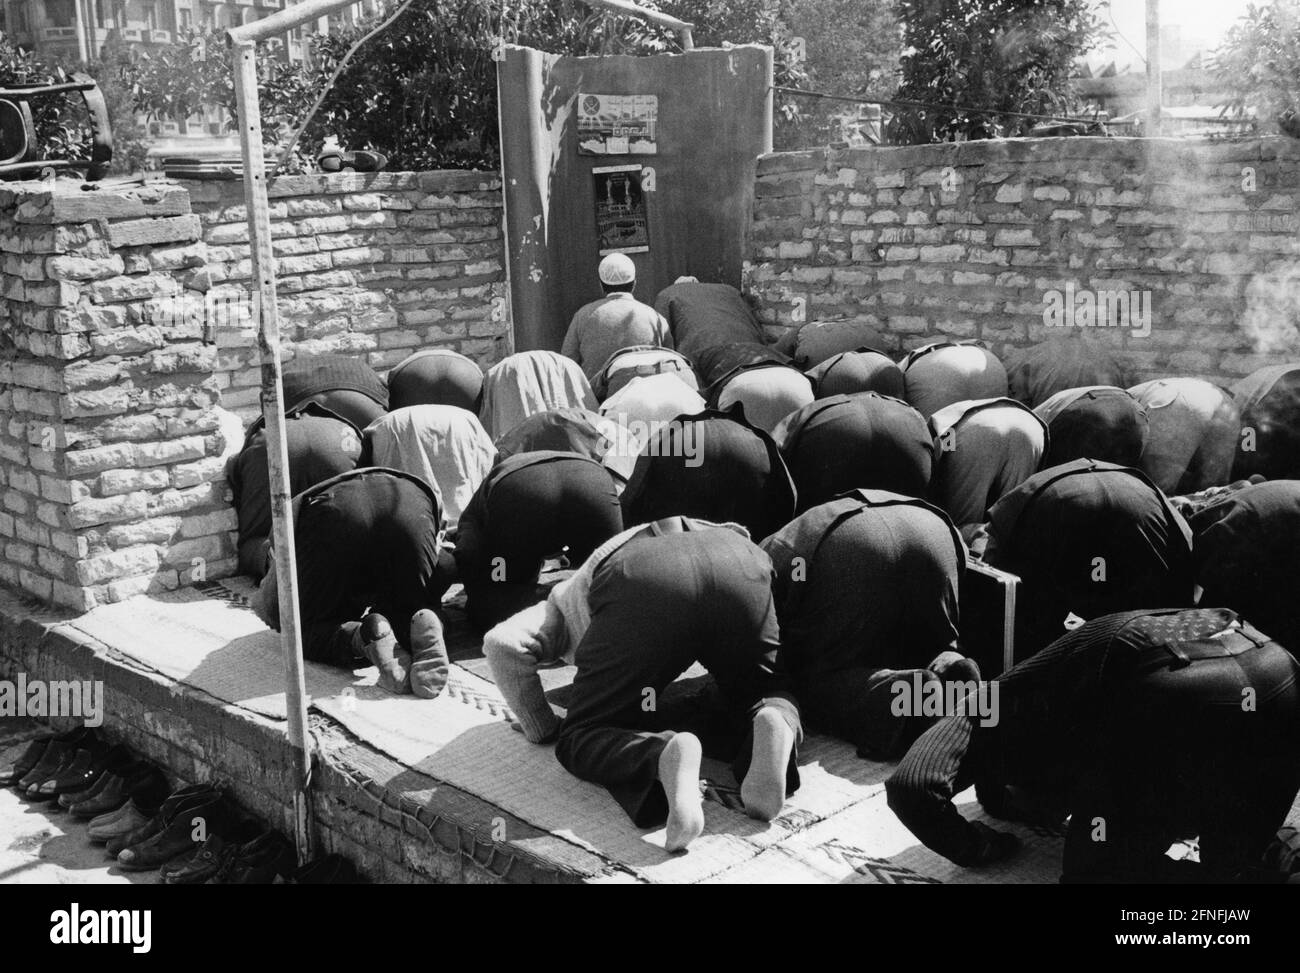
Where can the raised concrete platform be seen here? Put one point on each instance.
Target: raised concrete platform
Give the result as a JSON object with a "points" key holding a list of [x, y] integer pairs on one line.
{"points": [[397, 824], [394, 798]]}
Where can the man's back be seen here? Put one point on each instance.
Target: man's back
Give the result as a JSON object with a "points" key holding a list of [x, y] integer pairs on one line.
{"points": [[618, 320]]}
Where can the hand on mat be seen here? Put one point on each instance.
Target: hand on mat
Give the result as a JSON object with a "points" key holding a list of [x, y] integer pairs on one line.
{"points": [[995, 846]]}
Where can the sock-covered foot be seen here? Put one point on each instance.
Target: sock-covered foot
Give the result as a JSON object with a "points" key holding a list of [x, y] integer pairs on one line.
{"points": [[763, 789], [429, 664], [379, 646], [679, 772]]}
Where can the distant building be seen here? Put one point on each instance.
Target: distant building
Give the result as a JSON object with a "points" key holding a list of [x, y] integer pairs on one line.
{"points": [[75, 31], [72, 32], [1190, 100]]}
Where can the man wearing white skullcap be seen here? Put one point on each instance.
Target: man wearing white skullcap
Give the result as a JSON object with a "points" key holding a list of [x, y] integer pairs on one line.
{"points": [[616, 321]]}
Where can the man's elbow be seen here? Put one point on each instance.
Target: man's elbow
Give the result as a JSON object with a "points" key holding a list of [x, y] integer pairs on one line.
{"points": [[905, 801]]}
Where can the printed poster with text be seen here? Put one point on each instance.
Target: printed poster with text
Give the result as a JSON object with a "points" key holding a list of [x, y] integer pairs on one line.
{"points": [[618, 124]]}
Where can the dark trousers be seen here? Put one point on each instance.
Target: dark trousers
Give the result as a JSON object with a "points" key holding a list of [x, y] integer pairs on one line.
{"points": [[1164, 770], [531, 514], [365, 543], [857, 705], [658, 605]]}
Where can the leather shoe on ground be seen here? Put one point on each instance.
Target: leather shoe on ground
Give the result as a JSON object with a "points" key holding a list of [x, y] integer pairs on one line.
{"points": [[120, 823], [211, 856], [91, 782], [20, 762], [189, 825], [159, 820], [142, 780], [258, 862], [73, 776]]}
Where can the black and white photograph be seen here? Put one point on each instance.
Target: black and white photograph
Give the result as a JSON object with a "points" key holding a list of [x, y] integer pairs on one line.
{"points": [[648, 442]]}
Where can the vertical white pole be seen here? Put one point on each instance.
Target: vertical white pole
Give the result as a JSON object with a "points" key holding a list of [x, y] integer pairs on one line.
{"points": [[259, 223], [1154, 94]]}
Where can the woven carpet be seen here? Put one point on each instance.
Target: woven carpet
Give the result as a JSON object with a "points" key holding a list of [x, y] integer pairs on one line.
{"points": [[837, 828]]}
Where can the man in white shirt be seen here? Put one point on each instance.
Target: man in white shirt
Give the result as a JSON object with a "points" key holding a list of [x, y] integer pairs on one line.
{"points": [[616, 321]]}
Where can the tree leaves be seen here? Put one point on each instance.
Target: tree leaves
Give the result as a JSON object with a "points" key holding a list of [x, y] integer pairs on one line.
{"points": [[1007, 55], [1258, 63]]}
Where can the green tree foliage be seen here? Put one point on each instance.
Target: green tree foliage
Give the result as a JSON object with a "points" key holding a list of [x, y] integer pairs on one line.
{"points": [[115, 71], [423, 91], [60, 122], [1258, 64], [179, 80], [1007, 55], [853, 49]]}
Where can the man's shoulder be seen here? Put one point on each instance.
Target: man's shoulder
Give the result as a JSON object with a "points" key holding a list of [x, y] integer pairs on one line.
{"points": [[586, 311]]}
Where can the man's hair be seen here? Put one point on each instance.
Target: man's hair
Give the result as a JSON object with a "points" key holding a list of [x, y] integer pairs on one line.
{"points": [[611, 288]]}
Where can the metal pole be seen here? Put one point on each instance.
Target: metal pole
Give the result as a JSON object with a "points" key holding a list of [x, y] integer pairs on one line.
{"points": [[285, 19], [684, 30], [1154, 93], [286, 575], [769, 70]]}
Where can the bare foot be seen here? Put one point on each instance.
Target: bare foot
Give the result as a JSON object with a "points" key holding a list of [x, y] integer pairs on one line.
{"points": [[763, 789], [679, 772]]}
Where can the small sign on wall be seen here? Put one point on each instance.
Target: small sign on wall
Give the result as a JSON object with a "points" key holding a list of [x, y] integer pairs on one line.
{"points": [[622, 223], [618, 124]]}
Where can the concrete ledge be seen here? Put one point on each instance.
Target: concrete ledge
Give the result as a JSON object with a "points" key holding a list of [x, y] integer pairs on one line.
{"points": [[395, 824]]}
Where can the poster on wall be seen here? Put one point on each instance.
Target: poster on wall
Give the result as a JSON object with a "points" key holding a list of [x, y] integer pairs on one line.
{"points": [[618, 124], [622, 224]]}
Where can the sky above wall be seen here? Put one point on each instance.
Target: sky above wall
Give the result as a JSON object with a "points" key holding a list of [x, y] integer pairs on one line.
{"points": [[1190, 25]]}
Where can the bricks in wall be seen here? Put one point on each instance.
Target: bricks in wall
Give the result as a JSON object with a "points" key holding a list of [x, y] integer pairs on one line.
{"points": [[372, 264], [126, 321], [970, 240], [107, 390]]}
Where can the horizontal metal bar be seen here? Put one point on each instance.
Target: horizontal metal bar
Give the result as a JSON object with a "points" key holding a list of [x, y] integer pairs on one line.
{"points": [[286, 20], [653, 16], [45, 89], [47, 164]]}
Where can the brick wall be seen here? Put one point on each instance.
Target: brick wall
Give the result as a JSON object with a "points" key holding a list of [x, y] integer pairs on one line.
{"points": [[377, 264], [110, 451], [126, 320], [971, 240]]}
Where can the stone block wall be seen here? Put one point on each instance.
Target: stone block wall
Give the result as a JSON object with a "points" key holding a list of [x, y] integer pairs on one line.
{"points": [[110, 454], [980, 239], [126, 324], [373, 264]]}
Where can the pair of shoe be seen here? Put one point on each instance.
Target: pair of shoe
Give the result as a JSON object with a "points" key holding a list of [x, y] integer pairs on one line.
{"points": [[135, 813], [137, 779], [19, 765], [71, 785], [246, 853], [423, 670], [45, 761], [360, 160], [183, 822]]}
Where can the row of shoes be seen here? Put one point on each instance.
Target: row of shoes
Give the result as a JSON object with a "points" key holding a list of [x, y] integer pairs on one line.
{"points": [[194, 834], [83, 774]]}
